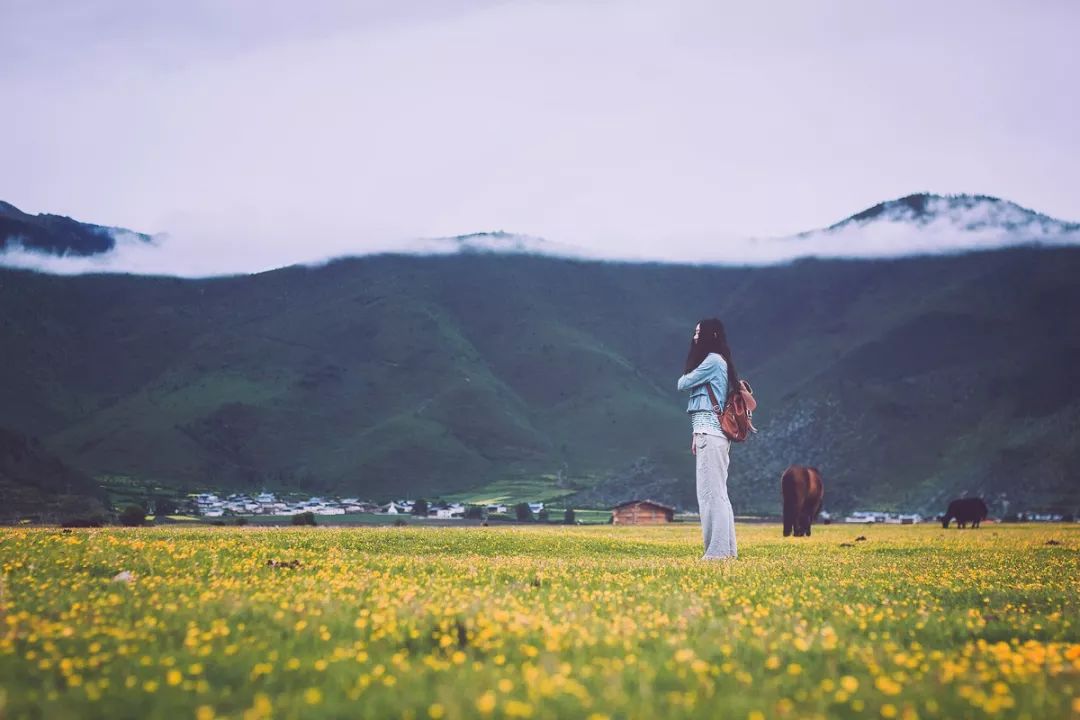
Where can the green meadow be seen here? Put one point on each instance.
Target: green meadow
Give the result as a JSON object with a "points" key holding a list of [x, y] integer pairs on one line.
{"points": [[532, 621]]}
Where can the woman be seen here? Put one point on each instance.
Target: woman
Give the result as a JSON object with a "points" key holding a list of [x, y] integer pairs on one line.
{"points": [[709, 363]]}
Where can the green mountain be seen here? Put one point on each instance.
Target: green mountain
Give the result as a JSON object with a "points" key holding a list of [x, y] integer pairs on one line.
{"points": [[906, 381], [57, 234]]}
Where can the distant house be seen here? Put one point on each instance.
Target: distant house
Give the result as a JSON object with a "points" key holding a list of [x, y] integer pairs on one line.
{"points": [[864, 517], [1040, 517], [642, 512]]}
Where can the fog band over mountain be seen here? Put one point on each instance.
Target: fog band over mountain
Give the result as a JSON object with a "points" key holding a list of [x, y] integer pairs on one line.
{"points": [[914, 225], [636, 130]]}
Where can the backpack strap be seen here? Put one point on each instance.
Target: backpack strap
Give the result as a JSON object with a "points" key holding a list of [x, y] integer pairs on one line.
{"points": [[717, 408]]}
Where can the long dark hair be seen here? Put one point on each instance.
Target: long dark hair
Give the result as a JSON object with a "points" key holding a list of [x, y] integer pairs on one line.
{"points": [[712, 338]]}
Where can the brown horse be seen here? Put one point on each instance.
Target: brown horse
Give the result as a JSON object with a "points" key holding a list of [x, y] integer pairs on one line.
{"points": [[803, 491]]}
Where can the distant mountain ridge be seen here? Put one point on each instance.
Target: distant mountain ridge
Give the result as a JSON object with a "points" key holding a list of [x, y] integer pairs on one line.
{"points": [[917, 224], [965, 212], [927, 224], [56, 234], [499, 365]]}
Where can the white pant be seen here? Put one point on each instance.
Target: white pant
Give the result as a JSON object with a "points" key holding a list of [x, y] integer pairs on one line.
{"points": [[717, 517]]}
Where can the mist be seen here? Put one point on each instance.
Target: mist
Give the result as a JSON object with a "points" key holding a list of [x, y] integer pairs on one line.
{"points": [[254, 138]]}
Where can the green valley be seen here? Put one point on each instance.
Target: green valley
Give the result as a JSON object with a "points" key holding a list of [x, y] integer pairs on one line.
{"points": [[906, 381]]}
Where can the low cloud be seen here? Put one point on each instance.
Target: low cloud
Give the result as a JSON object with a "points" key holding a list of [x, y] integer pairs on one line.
{"points": [[945, 225], [637, 130]]}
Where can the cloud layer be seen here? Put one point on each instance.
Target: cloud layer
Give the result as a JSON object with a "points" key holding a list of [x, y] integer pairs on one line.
{"points": [[255, 137], [945, 225]]}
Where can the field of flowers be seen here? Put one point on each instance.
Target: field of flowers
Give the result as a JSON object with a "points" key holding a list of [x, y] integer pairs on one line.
{"points": [[539, 622]]}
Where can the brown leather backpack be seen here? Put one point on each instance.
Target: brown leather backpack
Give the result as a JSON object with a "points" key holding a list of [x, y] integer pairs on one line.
{"points": [[736, 416]]}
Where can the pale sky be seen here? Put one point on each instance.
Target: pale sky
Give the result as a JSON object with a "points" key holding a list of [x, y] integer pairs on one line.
{"points": [[288, 131]]}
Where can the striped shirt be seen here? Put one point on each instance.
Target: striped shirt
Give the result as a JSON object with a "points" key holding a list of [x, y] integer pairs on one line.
{"points": [[705, 421]]}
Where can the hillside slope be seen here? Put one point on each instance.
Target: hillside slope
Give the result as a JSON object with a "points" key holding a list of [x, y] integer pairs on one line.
{"points": [[35, 483], [906, 381]]}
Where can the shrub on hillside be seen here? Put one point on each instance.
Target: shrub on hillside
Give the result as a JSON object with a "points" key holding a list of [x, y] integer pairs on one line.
{"points": [[420, 507], [474, 512], [163, 505], [304, 518], [523, 512], [132, 516], [568, 517]]}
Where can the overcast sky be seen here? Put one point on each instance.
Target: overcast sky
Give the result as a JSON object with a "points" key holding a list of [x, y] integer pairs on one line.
{"points": [[285, 131]]}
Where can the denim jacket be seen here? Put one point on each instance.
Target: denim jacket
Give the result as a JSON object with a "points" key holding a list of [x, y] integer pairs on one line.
{"points": [[713, 369]]}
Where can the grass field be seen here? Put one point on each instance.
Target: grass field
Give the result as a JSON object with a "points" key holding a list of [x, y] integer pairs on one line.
{"points": [[534, 621]]}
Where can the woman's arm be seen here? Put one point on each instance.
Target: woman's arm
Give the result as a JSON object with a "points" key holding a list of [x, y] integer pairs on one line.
{"points": [[698, 375]]}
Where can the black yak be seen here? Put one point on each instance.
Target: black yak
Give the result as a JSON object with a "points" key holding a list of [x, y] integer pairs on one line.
{"points": [[803, 491], [965, 510]]}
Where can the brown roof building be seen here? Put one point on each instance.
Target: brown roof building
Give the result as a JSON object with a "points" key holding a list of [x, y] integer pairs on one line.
{"points": [[641, 512]]}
